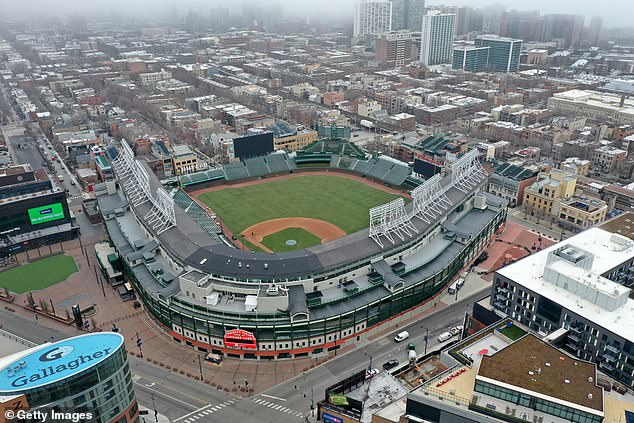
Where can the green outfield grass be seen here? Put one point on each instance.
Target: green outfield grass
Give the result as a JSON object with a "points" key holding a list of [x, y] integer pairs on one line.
{"points": [[39, 274], [277, 241], [336, 199]]}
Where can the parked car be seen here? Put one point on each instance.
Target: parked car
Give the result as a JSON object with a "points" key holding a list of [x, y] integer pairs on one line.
{"points": [[456, 330], [445, 336], [214, 358], [390, 364], [372, 372]]}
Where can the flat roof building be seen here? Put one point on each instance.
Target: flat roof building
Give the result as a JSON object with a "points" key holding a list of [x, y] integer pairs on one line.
{"points": [[505, 52], [583, 286]]}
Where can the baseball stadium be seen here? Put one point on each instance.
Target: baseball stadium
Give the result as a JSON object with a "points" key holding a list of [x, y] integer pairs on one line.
{"points": [[283, 256]]}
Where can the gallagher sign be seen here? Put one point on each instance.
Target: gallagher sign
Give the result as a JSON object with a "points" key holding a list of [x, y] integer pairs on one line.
{"points": [[238, 338], [54, 362]]}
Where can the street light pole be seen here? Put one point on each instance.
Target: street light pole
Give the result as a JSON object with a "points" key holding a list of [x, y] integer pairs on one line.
{"points": [[426, 339], [200, 367]]}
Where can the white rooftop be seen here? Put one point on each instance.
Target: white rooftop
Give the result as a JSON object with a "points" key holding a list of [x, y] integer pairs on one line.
{"points": [[609, 251]]}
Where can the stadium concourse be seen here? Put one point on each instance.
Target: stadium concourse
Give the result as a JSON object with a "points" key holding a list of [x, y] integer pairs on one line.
{"points": [[203, 292]]}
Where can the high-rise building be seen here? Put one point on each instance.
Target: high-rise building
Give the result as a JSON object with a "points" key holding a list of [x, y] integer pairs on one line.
{"points": [[394, 49], [492, 19], [525, 25], [471, 58], [594, 30], [372, 17], [567, 29], [407, 14], [504, 55], [219, 19], [437, 38]]}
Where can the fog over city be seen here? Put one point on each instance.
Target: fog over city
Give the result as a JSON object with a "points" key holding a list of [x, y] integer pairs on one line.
{"points": [[615, 13]]}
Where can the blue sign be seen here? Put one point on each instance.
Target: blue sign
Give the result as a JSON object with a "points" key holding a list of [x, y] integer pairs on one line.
{"points": [[53, 362], [329, 418]]}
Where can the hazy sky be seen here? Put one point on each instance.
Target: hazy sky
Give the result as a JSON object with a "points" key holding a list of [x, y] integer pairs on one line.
{"points": [[614, 12]]}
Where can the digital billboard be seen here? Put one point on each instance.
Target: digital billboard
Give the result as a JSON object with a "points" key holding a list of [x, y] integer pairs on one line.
{"points": [[425, 168], [253, 145], [46, 213]]}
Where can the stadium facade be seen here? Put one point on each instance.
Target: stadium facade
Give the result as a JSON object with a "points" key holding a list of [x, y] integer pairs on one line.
{"points": [[86, 376], [208, 294]]}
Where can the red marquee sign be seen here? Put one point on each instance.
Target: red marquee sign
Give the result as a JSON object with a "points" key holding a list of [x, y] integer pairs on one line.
{"points": [[238, 338]]}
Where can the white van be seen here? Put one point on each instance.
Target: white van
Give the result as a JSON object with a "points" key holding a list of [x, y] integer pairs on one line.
{"points": [[402, 336], [445, 336], [460, 283]]}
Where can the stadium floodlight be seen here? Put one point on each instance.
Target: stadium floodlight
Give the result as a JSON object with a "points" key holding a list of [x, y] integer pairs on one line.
{"points": [[161, 216], [429, 200], [378, 216], [467, 172], [137, 186], [390, 219]]}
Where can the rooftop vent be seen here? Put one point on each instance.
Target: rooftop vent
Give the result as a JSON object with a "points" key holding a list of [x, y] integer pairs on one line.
{"points": [[203, 261], [547, 364], [590, 379], [266, 265], [272, 290], [566, 381], [589, 396]]}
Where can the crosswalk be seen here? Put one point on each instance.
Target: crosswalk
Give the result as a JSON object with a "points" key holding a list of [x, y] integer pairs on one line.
{"points": [[277, 407], [205, 411]]}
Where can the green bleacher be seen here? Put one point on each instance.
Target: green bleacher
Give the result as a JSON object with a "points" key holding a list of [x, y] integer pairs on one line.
{"points": [[235, 171], [200, 177], [192, 208]]}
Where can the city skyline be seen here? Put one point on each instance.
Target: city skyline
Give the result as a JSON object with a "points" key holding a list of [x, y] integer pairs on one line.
{"points": [[614, 13]]}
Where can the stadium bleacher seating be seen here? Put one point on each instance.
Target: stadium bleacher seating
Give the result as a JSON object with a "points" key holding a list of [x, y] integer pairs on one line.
{"points": [[204, 176], [256, 166], [235, 171], [278, 163], [192, 208]]}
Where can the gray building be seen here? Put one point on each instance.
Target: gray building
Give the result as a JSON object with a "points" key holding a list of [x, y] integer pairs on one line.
{"points": [[577, 291]]}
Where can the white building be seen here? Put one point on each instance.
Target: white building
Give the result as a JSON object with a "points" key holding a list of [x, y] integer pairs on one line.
{"points": [[436, 45], [597, 107], [579, 288], [372, 17]]}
